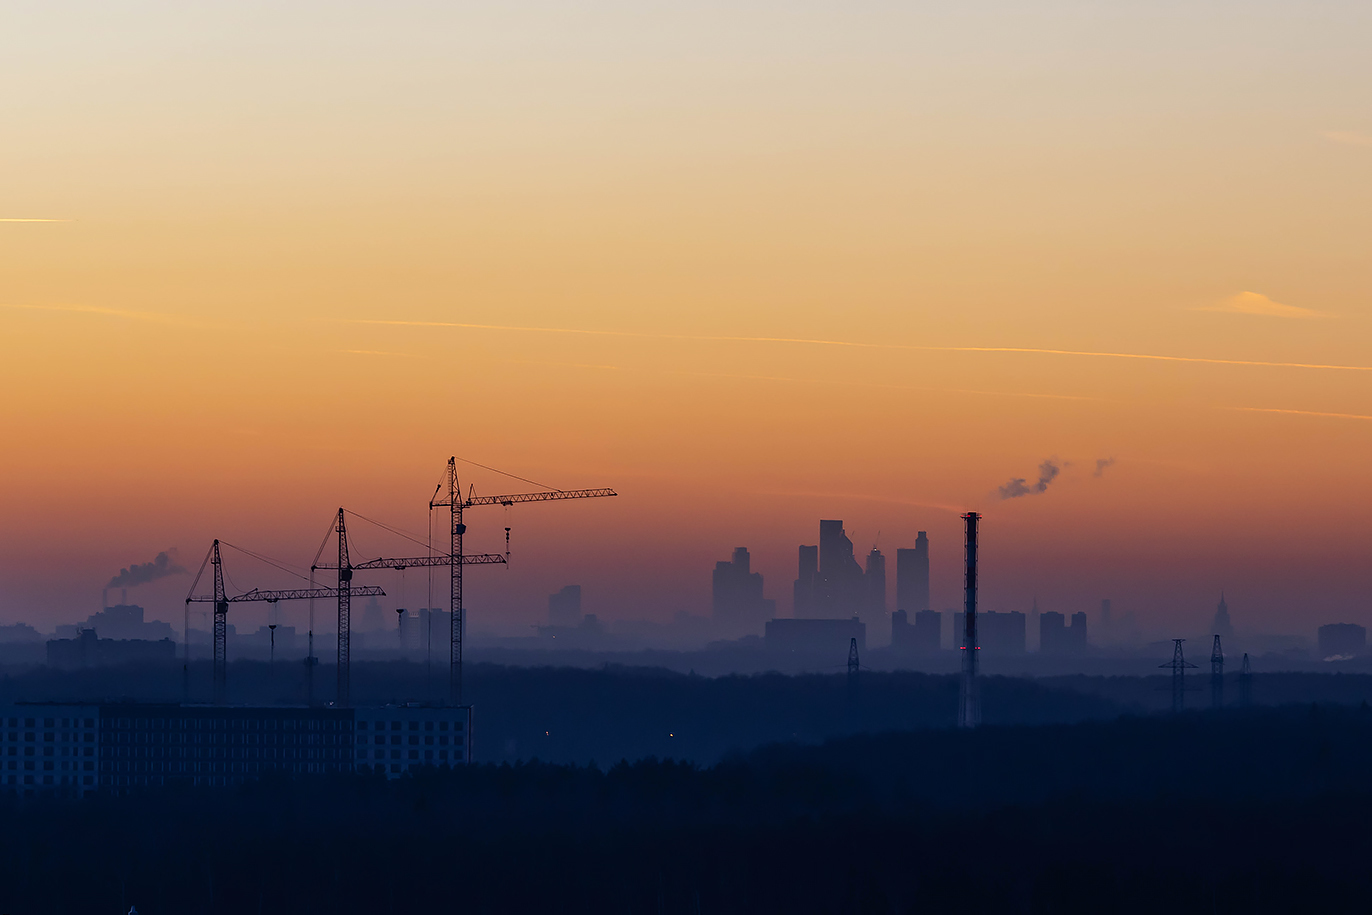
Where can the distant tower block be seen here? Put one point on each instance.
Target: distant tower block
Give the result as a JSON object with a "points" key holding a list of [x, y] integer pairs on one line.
{"points": [[564, 607], [853, 665], [1217, 674], [969, 699], [912, 576], [1245, 683]]}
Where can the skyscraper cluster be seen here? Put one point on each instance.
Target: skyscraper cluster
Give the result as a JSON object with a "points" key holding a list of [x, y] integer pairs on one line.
{"points": [[832, 585]]}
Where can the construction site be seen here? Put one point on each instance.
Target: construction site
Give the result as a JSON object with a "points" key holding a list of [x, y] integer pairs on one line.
{"points": [[71, 749]]}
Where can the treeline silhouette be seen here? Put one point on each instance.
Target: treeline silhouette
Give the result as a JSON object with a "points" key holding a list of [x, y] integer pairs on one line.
{"points": [[1217, 812]]}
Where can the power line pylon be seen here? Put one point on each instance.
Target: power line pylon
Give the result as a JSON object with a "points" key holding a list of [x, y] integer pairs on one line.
{"points": [[1179, 664], [969, 693], [221, 600], [456, 503], [1217, 674], [1245, 683]]}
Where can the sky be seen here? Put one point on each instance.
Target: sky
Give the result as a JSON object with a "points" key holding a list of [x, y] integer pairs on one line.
{"points": [[751, 264]]}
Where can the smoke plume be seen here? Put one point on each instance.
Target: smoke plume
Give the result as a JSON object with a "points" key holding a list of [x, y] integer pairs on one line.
{"points": [[165, 564], [1048, 471], [1101, 464]]}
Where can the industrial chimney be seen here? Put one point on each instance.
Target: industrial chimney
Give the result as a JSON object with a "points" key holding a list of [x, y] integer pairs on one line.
{"points": [[969, 698]]}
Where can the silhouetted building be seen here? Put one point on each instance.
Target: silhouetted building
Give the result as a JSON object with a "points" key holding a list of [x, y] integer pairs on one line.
{"points": [[1057, 637], [1076, 634], [912, 576], [928, 631], [121, 621], [1342, 640], [815, 636], [1221, 625], [920, 637], [874, 584], [587, 633], [89, 650], [738, 605], [806, 591], [373, 616], [564, 607], [19, 632], [902, 632], [1001, 633], [75, 749], [841, 581]]}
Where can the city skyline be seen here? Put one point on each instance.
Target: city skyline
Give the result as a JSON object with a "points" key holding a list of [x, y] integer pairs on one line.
{"points": [[1096, 274]]}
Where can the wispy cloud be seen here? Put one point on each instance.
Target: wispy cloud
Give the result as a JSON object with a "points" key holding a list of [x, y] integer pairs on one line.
{"points": [[1302, 412], [99, 311], [1347, 137], [1255, 303], [26, 219], [565, 365], [374, 352], [904, 347], [1101, 465]]}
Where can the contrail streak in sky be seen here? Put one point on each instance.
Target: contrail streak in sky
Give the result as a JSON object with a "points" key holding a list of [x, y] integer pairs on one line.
{"points": [[889, 346], [1303, 412]]}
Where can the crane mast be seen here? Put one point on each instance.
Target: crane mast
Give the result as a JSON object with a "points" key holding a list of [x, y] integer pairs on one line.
{"points": [[345, 573], [456, 504], [221, 601]]}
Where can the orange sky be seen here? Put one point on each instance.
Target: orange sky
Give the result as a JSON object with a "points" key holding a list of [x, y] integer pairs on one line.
{"points": [[307, 255]]}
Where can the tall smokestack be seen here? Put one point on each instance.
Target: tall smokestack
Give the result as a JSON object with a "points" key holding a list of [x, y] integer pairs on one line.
{"points": [[969, 698]]}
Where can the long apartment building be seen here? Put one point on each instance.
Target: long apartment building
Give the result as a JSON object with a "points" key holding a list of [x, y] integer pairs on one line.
{"points": [[71, 750]]}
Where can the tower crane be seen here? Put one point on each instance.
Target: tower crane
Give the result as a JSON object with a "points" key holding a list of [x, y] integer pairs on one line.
{"points": [[221, 601], [345, 589], [456, 503]]}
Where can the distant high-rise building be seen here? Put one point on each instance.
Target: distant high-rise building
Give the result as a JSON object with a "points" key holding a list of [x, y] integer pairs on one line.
{"points": [[1076, 635], [1221, 626], [920, 637], [738, 605], [373, 617], [840, 588], [1342, 640], [874, 583], [806, 592], [912, 576], [928, 631], [1052, 632], [1001, 633], [564, 607], [831, 584]]}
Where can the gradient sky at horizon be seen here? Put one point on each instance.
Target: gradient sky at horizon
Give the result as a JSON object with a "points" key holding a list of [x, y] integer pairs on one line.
{"points": [[752, 264]]}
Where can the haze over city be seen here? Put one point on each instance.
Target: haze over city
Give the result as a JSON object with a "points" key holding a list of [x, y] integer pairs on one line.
{"points": [[803, 287]]}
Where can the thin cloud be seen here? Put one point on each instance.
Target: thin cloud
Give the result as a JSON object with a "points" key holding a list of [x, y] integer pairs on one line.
{"points": [[565, 365], [1255, 303], [1101, 465], [374, 352], [22, 219], [98, 310], [904, 347], [877, 384], [1302, 412], [1347, 137]]}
